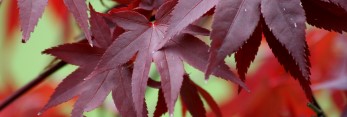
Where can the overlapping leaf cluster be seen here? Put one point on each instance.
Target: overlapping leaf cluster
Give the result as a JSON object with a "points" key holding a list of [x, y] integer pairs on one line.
{"points": [[126, 40], [120, 61], [238, 25]]}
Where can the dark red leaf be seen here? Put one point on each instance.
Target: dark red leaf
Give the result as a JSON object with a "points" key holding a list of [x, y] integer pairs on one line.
{"points": [[151, 4], [246, 54], [161, 107], [100, 29], [229, 34], [79, 9], [91, 92], [70, 87], [184, 109], [137, 33], [116, 32], [210, 101], [30, 11], [98, 89], [163, 14], [72, 53], [139, 38], [170, 68], [132, 5], [191, 98], [135, 46], [341, 3], [185, 13], [139, 79], [154, 84], [122, 95], [168, 64], [195, 52], [285, 58], [326, 15], [196, 30], [286, 37], [75, 84], [286, 20]]}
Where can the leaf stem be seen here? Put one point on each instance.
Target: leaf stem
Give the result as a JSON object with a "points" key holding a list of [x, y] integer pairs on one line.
{"points": [[316, 108], [39, 79]]}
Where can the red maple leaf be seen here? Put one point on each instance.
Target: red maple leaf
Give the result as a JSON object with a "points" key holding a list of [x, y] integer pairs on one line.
{"points": [[122, 65]]}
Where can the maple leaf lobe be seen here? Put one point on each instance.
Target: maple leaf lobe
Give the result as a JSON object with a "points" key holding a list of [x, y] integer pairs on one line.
{"points": [[286, 20], [227, 36], [30, 11], [79, 9]]}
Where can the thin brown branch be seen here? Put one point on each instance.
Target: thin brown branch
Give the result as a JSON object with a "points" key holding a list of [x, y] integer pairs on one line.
{"points": [[39, 79]]}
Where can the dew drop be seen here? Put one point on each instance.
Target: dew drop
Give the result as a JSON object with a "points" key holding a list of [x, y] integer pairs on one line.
{"points": [[38, 114], [284, 9], [295, 25], [245, 10]]}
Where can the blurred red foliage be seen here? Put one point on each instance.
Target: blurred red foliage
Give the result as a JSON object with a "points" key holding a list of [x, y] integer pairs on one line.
{"points": [[31, 103], [275, 94]]}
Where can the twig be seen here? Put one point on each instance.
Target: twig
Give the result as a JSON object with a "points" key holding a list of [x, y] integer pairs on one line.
{"points": [[316, 108], [31, 85]]}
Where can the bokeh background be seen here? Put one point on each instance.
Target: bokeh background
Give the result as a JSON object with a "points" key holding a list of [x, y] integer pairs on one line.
{"points": [[273, 91]]}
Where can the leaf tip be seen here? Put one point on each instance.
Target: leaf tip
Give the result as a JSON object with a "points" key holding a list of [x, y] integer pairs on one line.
{"points": [[210, 66], [24, 40], [91, 44], [207, 75]]}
